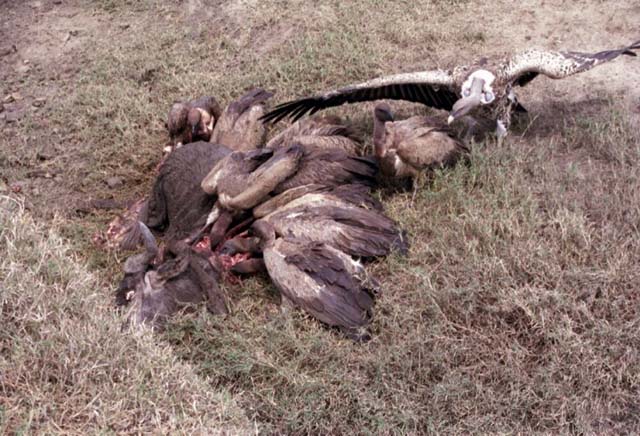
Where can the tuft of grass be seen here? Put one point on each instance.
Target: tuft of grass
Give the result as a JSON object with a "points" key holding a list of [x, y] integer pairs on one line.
{"points": [[514, 312], [65, 367]]}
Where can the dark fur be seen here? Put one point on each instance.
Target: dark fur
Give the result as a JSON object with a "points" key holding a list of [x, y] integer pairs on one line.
{"points": [[177, 205]]}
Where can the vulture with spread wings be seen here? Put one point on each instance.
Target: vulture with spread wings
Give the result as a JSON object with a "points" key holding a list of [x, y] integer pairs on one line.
{"points": [[483, 85]]}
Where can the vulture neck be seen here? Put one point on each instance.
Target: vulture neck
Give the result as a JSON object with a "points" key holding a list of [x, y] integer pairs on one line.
{"points": [[378, 136]]}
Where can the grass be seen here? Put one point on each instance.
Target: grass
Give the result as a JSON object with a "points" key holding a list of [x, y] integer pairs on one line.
{"points": [[66, 367], [515, 312]]}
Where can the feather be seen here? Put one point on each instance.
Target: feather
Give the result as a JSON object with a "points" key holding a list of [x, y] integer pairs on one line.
{"points": [[524, 67], [431, 88]]}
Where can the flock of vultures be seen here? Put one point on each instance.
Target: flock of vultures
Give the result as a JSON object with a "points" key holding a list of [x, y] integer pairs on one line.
{"points": [[299, 207]]}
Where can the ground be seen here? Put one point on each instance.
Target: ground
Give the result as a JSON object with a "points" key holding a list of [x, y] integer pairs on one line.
{"points": [[516, 310]]}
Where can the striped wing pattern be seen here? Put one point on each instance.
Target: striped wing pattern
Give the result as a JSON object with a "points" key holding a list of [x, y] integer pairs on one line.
{"points": [[432, 88]]}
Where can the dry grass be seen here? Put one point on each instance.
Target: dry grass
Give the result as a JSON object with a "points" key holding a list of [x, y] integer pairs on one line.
{"points": [[66, 367], [515, 312]]}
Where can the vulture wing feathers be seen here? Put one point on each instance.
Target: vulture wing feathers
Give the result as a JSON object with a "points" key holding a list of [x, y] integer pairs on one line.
{"points": [[526, 66], [431, 88], [323, 281], [238, 127]]}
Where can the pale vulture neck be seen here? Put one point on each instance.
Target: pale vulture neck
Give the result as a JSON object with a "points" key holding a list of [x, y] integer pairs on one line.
{"points": [[378, 136]]}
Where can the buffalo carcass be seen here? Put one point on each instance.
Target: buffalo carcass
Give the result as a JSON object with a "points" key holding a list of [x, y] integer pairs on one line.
{"points": [[177, 205]]}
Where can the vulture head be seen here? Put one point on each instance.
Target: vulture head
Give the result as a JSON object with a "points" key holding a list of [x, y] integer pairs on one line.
{"points": [[476, 91], [199, 123], [382, 112]]}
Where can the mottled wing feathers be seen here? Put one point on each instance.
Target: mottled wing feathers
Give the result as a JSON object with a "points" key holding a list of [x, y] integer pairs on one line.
{"points": [[338, 298], [353, 230], [429, 147], [358, 195], [432, 88], [321, 132], [526, 66], [369, 234]]}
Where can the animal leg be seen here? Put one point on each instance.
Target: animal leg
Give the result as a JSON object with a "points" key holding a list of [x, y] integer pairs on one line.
{"points": [[249, 266], [216, 303], [219, 229]]}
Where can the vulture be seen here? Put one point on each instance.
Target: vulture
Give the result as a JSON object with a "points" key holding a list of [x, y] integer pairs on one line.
{"points": [[485, 87], [321, 132], [243, 180], [336, 218], [241, 186], [356, 194], [320, 279], [405, 148], [193, 120], [238, 127]]}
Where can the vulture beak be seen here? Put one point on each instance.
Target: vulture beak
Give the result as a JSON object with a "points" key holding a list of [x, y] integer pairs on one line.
{"points": [[464, 105]]}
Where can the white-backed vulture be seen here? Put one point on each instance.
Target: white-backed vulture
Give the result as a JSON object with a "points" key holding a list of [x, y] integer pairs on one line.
{"points": [[485, 84]]}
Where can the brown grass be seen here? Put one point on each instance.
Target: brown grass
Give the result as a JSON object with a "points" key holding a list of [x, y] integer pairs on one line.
{"points": [[66, 367], [515, 312]]}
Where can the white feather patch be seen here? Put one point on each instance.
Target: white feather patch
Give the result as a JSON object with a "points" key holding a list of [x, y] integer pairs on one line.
{"points": [[488, 78], [294, 215], [501, 130], [397, 163]]}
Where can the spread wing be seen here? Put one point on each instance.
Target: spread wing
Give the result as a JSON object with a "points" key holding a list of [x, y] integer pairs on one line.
{"points": [[526, 66], [432, 88]]}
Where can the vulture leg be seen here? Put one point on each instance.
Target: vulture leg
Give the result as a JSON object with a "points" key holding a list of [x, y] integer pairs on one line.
{"points": [[418, 183], [286, 305]]}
